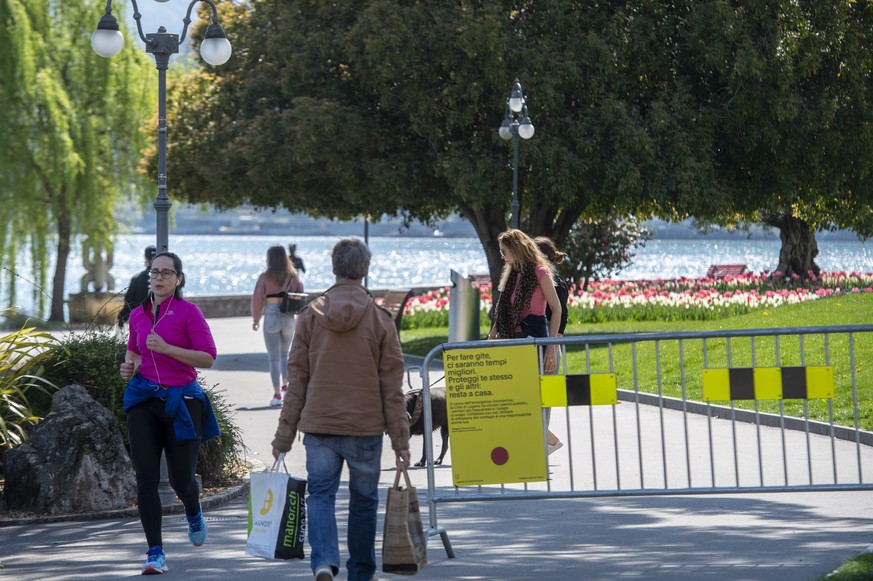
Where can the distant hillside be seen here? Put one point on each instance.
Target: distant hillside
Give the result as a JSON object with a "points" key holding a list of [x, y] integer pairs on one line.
{"points": [[188, 219], [685, 230]]}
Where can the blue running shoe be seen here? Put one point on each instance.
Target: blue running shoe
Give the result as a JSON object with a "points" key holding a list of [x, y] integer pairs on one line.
{"points": [[197, 529], [156, 562]]}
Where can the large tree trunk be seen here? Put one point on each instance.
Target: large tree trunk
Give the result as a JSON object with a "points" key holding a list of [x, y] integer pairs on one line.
{"points": [[542, 220], [488, 222], [799, 248], [555, 222], [64, 235]]}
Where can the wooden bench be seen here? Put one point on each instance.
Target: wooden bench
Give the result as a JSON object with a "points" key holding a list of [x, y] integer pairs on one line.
{"points": [[395, 301], [479, 279], [723, 270]]}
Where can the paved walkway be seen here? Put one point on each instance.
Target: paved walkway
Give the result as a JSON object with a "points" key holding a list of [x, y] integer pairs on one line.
{"points": [[749, 537]]}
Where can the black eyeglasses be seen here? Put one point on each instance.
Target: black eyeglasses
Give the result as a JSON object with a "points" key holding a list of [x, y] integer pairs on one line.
{"points": [[166, 273]]}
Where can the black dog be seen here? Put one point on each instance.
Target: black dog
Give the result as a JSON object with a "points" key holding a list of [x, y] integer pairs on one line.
{"points": [[438, 415]]}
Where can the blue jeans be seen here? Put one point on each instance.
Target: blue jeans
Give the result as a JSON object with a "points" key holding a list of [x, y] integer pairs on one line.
{"points": [[324, 462]]}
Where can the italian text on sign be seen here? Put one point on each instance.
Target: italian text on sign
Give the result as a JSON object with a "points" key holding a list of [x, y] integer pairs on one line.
{"points": [[495, 415]]}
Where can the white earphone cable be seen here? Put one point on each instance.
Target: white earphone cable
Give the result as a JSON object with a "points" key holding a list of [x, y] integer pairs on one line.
{"points": [[157, 308]]}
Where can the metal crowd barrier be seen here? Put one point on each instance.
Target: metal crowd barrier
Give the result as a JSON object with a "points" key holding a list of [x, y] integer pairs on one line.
{"points": [[665, 436]]}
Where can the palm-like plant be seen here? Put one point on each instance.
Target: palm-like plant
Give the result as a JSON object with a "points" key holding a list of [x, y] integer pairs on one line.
{"points": [[22, 357]]}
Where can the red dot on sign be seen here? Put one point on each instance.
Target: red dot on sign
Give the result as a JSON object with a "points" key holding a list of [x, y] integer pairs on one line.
{"points": [[499, 456]]}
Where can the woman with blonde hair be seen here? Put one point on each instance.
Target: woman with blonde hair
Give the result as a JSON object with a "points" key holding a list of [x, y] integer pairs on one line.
{"points": [[526, 288], [279, 278]]}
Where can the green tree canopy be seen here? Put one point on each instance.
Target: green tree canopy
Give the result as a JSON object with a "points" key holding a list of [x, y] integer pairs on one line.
{"points": [[70, 138], [725, 111], [785, 88]]}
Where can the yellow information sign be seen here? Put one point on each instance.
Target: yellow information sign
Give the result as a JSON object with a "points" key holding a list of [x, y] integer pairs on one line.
{"points": [[495, 415]]}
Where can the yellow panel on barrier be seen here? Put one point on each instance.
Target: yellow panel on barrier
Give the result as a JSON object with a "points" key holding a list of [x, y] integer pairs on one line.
{"points": [[768, 382], [716, 385], [603, 389], [820, 382], [553, 391]]}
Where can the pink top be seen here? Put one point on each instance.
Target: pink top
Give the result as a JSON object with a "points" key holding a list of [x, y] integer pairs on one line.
{"points": [[265, 287], [180, 323], [538, 299]]}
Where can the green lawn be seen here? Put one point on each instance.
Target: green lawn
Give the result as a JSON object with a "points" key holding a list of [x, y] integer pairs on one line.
{"points": [[852, 309], [858, 568]]}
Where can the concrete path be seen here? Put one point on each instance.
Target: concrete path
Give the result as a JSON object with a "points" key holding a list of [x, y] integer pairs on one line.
{"points": [[748, 537]]}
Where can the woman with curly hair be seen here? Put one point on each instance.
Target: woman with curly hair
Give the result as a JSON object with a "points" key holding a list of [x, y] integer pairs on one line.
{"points": [[556, 257], [526, 288]]}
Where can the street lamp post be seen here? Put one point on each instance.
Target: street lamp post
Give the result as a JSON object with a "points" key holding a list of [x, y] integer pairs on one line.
{"points": [[513, 128], [107, 41]]}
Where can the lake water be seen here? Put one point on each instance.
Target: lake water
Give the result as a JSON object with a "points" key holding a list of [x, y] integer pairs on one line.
{"points": [[223, 264]]}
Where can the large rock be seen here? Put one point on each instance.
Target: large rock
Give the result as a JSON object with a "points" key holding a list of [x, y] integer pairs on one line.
{"points": [[73, 461]]}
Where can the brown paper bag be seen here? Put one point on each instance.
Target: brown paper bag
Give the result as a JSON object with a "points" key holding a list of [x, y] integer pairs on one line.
{"points": [[404, 546]]}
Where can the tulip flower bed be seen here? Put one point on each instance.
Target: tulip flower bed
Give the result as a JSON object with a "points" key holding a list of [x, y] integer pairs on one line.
{"points": [[431, 309], [680, 299]]}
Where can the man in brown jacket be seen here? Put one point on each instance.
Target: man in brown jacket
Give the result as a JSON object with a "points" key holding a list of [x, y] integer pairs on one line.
{"points": [[345, 377]]}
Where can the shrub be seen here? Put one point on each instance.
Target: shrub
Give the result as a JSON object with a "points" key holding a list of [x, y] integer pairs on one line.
{"points": [[596, 249], [92, 359], [221, 459]]}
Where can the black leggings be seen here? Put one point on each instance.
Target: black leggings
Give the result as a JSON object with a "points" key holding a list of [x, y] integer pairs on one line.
{"points": [[151, 432]]}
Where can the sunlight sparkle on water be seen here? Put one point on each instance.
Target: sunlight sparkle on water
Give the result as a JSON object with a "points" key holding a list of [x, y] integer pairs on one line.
{"points": [[217, 264]]}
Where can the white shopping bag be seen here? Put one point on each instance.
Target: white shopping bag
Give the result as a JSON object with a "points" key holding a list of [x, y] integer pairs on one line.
{"points": [[277, 514]]}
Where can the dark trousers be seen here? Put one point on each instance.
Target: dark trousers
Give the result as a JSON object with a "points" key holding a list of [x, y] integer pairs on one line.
{"points": [[151, 432]]}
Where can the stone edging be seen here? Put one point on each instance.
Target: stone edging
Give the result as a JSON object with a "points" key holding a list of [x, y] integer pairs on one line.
{"points": [[213, 501], [748, 416]]}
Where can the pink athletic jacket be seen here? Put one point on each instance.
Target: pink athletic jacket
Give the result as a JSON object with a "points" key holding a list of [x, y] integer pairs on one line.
{"points": [[180, 323]]}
